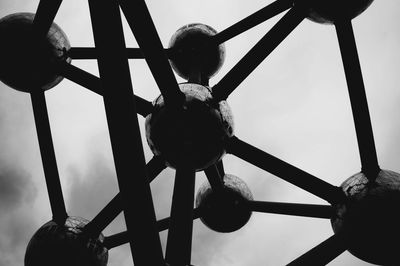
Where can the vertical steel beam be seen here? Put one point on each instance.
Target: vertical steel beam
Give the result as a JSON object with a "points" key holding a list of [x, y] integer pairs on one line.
{"points": [[124, 133], [179, 241], [358, 99], [48, 157]]}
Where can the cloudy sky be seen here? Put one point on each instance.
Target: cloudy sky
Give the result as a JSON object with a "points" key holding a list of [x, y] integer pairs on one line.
{"points": [[294, 105]]}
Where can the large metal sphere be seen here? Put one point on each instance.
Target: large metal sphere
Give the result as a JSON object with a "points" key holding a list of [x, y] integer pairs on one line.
{"points": [[227, 211], [331, 11], [65, 246], [194, 53], [370, 218], [192, 134], [27, 62]]}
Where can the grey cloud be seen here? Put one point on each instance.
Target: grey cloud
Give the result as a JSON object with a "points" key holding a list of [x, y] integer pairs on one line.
{"points": [[92, 188], [16, 188], [17, 195]]}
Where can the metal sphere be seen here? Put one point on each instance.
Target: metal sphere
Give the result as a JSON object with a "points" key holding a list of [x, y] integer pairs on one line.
{"points": [[227, 211], [370, 218], [65, 246], [194, 53], [194, 133], [331, 11], [27, 62]]}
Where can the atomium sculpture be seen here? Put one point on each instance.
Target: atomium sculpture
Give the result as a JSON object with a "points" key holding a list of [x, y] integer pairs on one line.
{"points": [[189, 127]]}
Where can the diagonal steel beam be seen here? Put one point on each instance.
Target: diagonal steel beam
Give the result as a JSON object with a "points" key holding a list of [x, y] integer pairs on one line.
{"points": [[285, 171], [80, 77], [93, 84], [143, 28], [221, 170], [154, 167], [358, 99], [122, 238], [48, 157], [104, 217], [124, 133], [253, 20], [45, 14], [214, 178], [296, 209], [323, 253], [258, 53]]}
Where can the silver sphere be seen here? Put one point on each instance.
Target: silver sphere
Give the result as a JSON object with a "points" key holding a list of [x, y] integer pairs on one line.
{"points": [[65, 246], [228, 211], [331, 11], [194, 52], [196, 132], [370, 218], [27, 62]]}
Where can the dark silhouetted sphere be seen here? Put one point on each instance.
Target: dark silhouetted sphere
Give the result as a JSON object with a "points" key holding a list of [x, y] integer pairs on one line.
{"points": [[228, 211], [199, 129], [370, 219], [331, 11], [194, 52], [27, 63], [54, 245]]}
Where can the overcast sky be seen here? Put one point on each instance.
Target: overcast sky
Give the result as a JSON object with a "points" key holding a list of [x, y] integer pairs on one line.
{"points": [[295, 106]]}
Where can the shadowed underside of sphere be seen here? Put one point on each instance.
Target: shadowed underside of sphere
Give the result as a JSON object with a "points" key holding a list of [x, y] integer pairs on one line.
{"points": [[192, 134], [331, 11], [371, 217], [54, 245], [27, 62], [226, 211], [194, 52]]}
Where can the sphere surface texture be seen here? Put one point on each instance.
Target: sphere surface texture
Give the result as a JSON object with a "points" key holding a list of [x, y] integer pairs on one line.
{"points": [[331, 11], [194, 53], [194, 133], [27, 62], [65, 245], [370, 219], [226, 211]]}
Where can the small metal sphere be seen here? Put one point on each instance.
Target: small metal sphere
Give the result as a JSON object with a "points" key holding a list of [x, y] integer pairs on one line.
{"points": [[225, 211], [331, 11], [370, 218], [27, 62], [194, 133], [194, 53], [65, 246]]}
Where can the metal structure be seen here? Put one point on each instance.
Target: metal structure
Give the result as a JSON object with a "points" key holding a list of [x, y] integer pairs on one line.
{"points": [[362, 210]]}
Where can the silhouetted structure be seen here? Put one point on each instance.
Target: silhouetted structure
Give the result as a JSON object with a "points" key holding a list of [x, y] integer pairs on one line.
{"points": [[190, 128], [195, 132], [225, 210], [65, 245]]}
